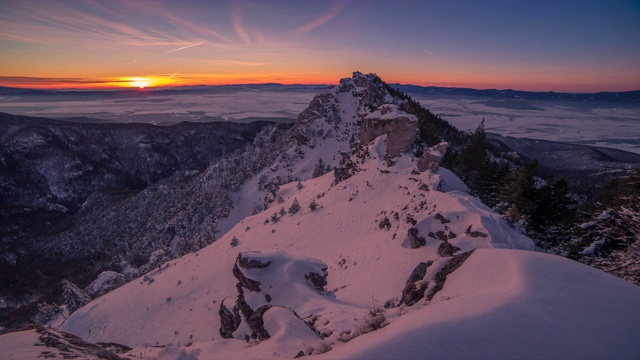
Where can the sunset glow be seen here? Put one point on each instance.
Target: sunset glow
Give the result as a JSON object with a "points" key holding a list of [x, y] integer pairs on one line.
{"points": [[528, 45], [140, 83]]}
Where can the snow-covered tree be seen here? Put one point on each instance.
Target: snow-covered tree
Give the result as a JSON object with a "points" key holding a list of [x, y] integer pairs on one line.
{"points": [[73, 296], [295, 207]]}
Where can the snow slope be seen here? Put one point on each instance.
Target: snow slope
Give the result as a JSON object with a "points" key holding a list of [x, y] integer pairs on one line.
{"points": [[508, 304]]}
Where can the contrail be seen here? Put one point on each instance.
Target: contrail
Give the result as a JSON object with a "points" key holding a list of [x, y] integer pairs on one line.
{"points": [[174, 74], [184, 47], [432, 54]]}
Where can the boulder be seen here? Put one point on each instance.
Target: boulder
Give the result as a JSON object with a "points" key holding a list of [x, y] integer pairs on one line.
{"points": [[399, 126], [431, 157]]}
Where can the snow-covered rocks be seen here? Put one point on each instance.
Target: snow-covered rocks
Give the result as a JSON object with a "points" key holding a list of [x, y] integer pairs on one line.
{"points": [[105, 282]]}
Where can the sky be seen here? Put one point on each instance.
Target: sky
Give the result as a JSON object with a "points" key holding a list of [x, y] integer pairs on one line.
{"points": [[543, 45]]}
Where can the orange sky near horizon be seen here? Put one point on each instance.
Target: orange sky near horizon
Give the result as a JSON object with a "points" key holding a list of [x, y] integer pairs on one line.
{"points": [[570, 46]]}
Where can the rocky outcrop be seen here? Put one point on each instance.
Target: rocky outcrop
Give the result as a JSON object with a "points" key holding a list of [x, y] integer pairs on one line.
{"points": [[446, 249], [431, 157], [441, 276], [69, 346], [252, 285], [399, 126], [414, 289], [229, 321], [474, 234], [319, 281], [415, 240]]}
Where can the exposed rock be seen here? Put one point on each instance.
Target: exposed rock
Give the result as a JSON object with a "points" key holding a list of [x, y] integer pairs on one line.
{"points": [[318, 281], [74, 347], [440, 235], [229, 321], [431, 157], [256, 323], [446, 249], [249, 263], [399, 126], [241, 303], [415, 240], [252, 285], [414, 289], [451, 266], [442, 219], [474, 234]]}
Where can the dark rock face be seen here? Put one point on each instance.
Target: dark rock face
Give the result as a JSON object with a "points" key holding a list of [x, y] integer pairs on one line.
{"points": [[414, 290], [415, 240], [399, 126], [441, 276], [446, 249]]}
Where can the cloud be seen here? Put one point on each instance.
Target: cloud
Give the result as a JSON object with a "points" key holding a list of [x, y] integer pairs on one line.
{"points": [[20, 38], [335, 10], [55, 81], [236, 17]]}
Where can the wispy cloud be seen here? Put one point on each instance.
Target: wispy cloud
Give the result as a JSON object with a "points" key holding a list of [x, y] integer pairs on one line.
{"points": [[238, 26], [184, 47], [430, 53], [20, 38], [336, 9]]}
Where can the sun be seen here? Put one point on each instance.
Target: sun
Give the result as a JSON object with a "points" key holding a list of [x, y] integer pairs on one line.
{"points": [[139, 82]]}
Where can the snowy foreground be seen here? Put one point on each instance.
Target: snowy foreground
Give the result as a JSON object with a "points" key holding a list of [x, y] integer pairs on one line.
{"points": [[332, 281]]}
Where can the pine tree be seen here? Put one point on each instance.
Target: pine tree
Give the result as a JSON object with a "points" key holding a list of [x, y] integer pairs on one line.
{"points": [[295, 207], [320, 169], [73, 296]]}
